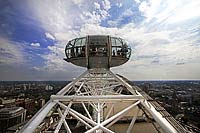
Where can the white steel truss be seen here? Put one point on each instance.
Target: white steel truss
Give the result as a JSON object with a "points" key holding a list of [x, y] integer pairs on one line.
{"points": [[91, 99]]}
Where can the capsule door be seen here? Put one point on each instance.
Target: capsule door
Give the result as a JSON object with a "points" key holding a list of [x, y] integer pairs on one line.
{"points": [[98, 51]]}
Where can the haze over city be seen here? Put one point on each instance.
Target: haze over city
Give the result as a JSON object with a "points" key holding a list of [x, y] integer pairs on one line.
{"points": [[164, 36]]}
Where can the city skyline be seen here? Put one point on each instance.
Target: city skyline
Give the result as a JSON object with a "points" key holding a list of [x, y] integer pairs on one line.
{"points": [[164, 36]]}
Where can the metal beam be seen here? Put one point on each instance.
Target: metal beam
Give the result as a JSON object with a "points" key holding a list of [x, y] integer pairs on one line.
{"points": [[165, 125], [96, 84], [97, 98], [62, 118], [38, 118], [132, 122], [64, 121], [121, 113]]}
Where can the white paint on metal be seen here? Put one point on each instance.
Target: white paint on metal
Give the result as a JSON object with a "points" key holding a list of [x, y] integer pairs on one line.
{"points": [[95, 88], [165, 125], [132, 122], [37, 119]]}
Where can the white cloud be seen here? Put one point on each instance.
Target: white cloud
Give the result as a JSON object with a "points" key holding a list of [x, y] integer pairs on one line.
{"points": [[57, 16], [55, 61], [159, 46], [97, 5], [144, 7], [112, 23], [11, 52], [93, 29], [94, 17], [104, 14], [35, 44], [137, 1], [36, 68], [164, 49], [48, 35], [118, 4], [106, 4], [127, 13], [170, 11], [158, 43], [65, 36], [186, 11], [78, 2]]}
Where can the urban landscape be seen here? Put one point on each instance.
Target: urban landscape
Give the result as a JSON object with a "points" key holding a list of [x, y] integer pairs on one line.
{"points": [[45, 45], [20, 100]]}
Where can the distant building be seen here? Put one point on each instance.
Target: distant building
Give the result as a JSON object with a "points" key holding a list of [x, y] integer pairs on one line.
{"points": [[48, 87], [25, 88], [28, 104], [174, 101], [11, 116], [41, 102], [7, 102]]}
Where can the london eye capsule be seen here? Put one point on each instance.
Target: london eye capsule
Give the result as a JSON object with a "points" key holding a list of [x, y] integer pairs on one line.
{"points": [[97, 51]]}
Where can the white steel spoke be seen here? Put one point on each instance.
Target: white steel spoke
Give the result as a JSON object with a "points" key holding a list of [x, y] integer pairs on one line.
{"points": [[97, 98], [132, 122], [93, 129], [78, 114], [62, 118], [86, 110], [64, 121], [105, 129], [119, 115], [81, 120], [68, 87], [80, 87], [110, 111], [95, 89]]}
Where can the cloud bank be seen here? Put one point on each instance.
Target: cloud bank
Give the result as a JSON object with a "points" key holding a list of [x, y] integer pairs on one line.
{"points": [[164, 36]]}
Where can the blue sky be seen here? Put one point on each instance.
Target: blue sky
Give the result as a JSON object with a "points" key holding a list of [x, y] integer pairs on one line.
{"points": [[164, 36]]}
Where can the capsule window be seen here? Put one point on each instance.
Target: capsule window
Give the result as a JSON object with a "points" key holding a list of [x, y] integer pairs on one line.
{"points": [[83, 41], [78, 43], [113, 41], [118, 42], [98, 46]]}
